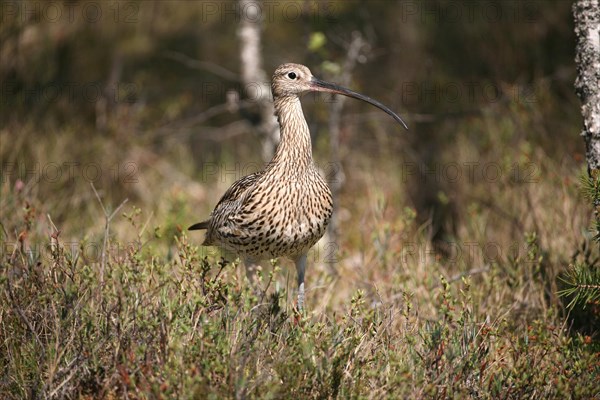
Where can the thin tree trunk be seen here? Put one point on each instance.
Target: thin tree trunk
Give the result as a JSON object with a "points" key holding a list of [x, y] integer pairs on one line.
{"points": [[254, 78], [587, 85], [337, 177]]}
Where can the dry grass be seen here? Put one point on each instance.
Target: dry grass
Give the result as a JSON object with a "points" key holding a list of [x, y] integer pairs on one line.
{"points": [[398, 320]]}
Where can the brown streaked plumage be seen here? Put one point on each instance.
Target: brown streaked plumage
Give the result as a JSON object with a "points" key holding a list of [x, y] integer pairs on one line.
{"points": [[283, 210]]}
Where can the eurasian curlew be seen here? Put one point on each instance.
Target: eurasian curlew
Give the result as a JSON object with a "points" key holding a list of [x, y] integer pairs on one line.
{"points": [[283, 210]]}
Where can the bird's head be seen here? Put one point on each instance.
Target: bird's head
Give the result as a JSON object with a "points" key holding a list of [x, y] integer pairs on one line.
{"points": [[295, 80]]}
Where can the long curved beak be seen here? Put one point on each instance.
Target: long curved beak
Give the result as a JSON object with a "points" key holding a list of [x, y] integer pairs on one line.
{"points": [[322, 86]]}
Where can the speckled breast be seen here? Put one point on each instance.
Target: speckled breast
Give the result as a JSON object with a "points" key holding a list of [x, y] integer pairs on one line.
{"points": [[279, 218]]}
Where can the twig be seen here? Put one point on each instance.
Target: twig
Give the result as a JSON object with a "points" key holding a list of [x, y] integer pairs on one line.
{"points": [[201, 65], [107, 219], [178, 128]]}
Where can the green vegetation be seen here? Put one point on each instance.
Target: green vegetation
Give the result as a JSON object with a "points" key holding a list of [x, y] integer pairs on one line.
{"points": [[456, 238], [189, 327], [582, 280]]}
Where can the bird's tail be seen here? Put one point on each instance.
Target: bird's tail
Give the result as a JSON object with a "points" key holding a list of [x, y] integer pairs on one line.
{"points": [[199, 225]]}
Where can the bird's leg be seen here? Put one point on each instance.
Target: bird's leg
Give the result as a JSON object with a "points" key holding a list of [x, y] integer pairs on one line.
{"points": [[251, 268], [300, 269]]}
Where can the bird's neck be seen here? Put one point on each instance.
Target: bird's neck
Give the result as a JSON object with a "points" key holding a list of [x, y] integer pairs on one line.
{"points": [[294, 149]]}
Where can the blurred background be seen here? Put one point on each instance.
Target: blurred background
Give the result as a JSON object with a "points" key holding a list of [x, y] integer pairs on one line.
{"points": [[152, 101], [123, 122]]}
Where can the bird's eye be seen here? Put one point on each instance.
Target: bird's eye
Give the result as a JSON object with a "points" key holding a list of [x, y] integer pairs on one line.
{"points": [[292, 75]]}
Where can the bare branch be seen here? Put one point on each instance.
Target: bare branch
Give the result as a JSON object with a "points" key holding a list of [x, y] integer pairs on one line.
{"points": [[107, 219], [202, 65]]}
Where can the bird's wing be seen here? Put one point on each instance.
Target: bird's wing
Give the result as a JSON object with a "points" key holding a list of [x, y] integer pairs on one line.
{"points": [[234, 194], [238, 189]]}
